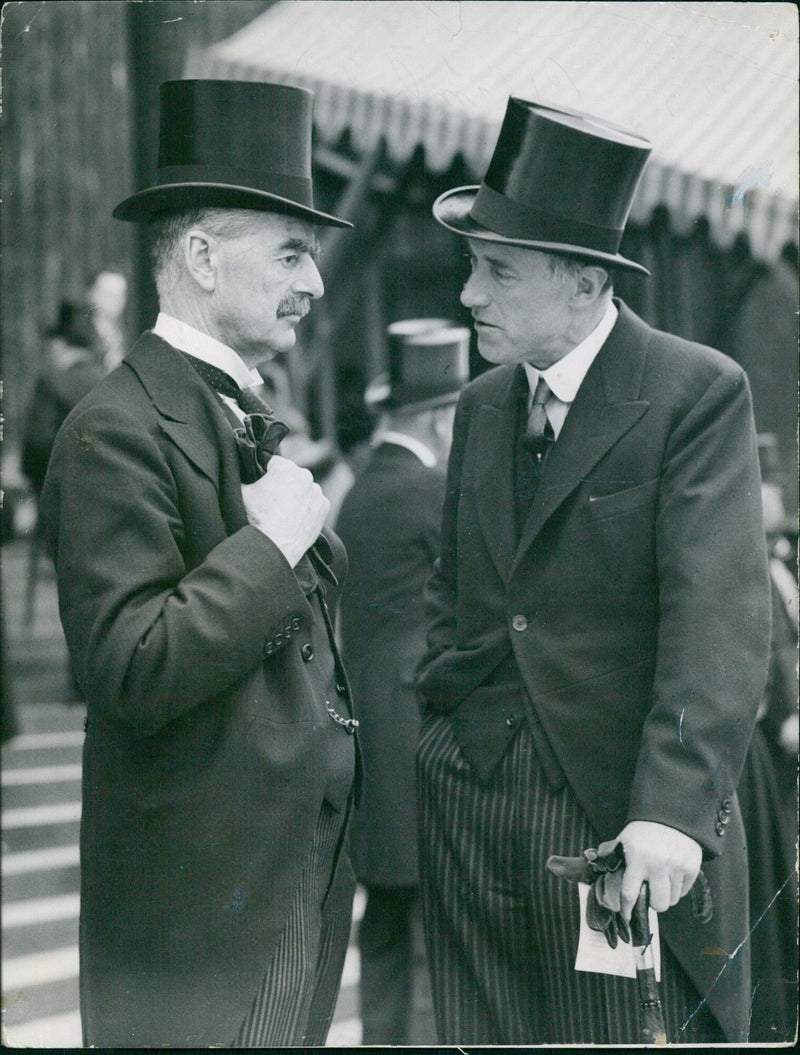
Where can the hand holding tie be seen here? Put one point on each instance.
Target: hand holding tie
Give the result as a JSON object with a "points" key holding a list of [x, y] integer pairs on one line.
{"points": [[287, 506]]}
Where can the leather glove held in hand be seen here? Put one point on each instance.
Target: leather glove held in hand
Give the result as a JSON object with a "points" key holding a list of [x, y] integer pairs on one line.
{"points": [[591, 869]]}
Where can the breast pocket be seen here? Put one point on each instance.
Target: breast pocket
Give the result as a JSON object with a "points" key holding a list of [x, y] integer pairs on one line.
{"points": [[623, 537], [605, 507]]}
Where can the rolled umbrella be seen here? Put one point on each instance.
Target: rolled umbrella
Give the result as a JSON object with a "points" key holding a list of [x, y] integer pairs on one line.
{"points": [[651, 1014]]}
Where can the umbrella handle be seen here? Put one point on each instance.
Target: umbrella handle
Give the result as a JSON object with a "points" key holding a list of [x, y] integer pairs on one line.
{"points": [[651, 1019]]}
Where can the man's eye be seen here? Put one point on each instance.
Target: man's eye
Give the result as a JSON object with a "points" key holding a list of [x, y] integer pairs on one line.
{"points": [[290, 259]]}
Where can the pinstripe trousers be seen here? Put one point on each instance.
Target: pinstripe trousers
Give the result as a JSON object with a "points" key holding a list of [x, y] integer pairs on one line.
{"points": [[501, 931], [295, 1003]]}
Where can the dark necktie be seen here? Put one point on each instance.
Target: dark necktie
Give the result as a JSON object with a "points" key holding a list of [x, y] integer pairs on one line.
{"points": [[539, 431], [259, 435], [534, 438]]}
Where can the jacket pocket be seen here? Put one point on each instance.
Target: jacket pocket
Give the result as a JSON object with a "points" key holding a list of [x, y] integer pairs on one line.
{"points": [[602, 507]]}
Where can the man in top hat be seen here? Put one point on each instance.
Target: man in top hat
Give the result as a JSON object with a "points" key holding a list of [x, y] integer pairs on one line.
{"points": [[70, 369], [599, 620], [197, 592], [390, 522]]}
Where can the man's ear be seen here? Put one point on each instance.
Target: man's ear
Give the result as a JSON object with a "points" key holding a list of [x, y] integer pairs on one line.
{"points": [[592, 281], [201, 258]]}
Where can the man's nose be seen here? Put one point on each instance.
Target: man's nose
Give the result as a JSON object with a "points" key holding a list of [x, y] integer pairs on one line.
{"points": [[473, 295], [310, 281]]}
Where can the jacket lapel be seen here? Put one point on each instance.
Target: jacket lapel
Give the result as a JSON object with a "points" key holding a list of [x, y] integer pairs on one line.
{"points": [[605, 408], [495, 428], [193, 419]]}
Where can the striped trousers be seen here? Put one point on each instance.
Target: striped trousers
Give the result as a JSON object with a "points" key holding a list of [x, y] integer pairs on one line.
{"points": [[295, 1003], [502, 932]]}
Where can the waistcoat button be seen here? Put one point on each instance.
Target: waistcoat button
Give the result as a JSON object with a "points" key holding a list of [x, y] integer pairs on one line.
{"points": [[307, 652], [520, 623]]}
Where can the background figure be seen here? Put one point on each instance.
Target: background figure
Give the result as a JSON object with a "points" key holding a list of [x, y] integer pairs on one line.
{"points": [[768, 788], [71, 368], [9, 718], [74, 362], [107, 298], [390, 523]]}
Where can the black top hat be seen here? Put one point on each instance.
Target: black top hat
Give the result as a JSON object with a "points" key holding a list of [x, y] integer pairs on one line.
{"points": [[428, 365], [559, 180], [232, 144], [74, 325]]}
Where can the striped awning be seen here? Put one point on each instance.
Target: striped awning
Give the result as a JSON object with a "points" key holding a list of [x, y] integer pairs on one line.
{"points": [[712, 85]]}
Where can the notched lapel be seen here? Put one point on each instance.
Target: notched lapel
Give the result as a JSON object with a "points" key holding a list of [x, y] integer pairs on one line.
{"points": [[604, 410], [191, 416], [494, 479], [198, 447]]}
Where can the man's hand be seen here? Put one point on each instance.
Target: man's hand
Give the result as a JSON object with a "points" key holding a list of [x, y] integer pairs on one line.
{"points": [[669, 861], [287, 506]]}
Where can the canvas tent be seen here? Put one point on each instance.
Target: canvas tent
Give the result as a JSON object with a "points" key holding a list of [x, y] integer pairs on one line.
{"points": [[713, 85]]}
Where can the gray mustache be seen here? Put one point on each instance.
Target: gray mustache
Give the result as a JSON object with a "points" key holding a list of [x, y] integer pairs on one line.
{"points": [[293, 305]]}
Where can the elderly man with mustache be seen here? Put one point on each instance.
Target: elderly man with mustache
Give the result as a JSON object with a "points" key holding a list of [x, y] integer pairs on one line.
{"points": [[197, 590]]}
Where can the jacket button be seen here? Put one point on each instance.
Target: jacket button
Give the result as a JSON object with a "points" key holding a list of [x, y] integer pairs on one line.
{"points": [[723, 818], [726, 805], [269, 648], [307, 652], [511, 721], [296, 623], [520, 623], [720, 828]]}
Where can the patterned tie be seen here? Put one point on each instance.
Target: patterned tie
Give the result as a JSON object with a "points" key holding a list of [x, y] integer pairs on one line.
{"points": [[534, 438], [539, 432], [260, 433]]}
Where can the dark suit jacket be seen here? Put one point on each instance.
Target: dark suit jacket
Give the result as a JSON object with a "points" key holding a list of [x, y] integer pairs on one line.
{"points": [[204, 757], [635, 604], [390, 523]]}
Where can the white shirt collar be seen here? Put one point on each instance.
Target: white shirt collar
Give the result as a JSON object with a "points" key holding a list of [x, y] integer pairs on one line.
{"points": [[422, 450], [187, 339], [565, 377]]}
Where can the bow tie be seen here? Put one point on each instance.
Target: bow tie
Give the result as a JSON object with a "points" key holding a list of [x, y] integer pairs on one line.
{"points": [[260, 434]]}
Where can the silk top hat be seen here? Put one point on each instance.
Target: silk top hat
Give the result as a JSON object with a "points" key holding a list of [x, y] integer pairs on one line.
{"points": [[559, 181], [428, 365], [232, 144]]}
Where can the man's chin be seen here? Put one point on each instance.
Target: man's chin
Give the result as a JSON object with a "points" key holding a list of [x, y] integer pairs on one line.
{"points": [[283, 338], [491, 351]]}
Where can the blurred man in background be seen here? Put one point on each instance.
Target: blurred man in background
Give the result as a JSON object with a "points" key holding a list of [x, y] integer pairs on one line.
{"points": [[107, 298], [71, 368], [390, 522], [197, 591], [768, 788]]}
